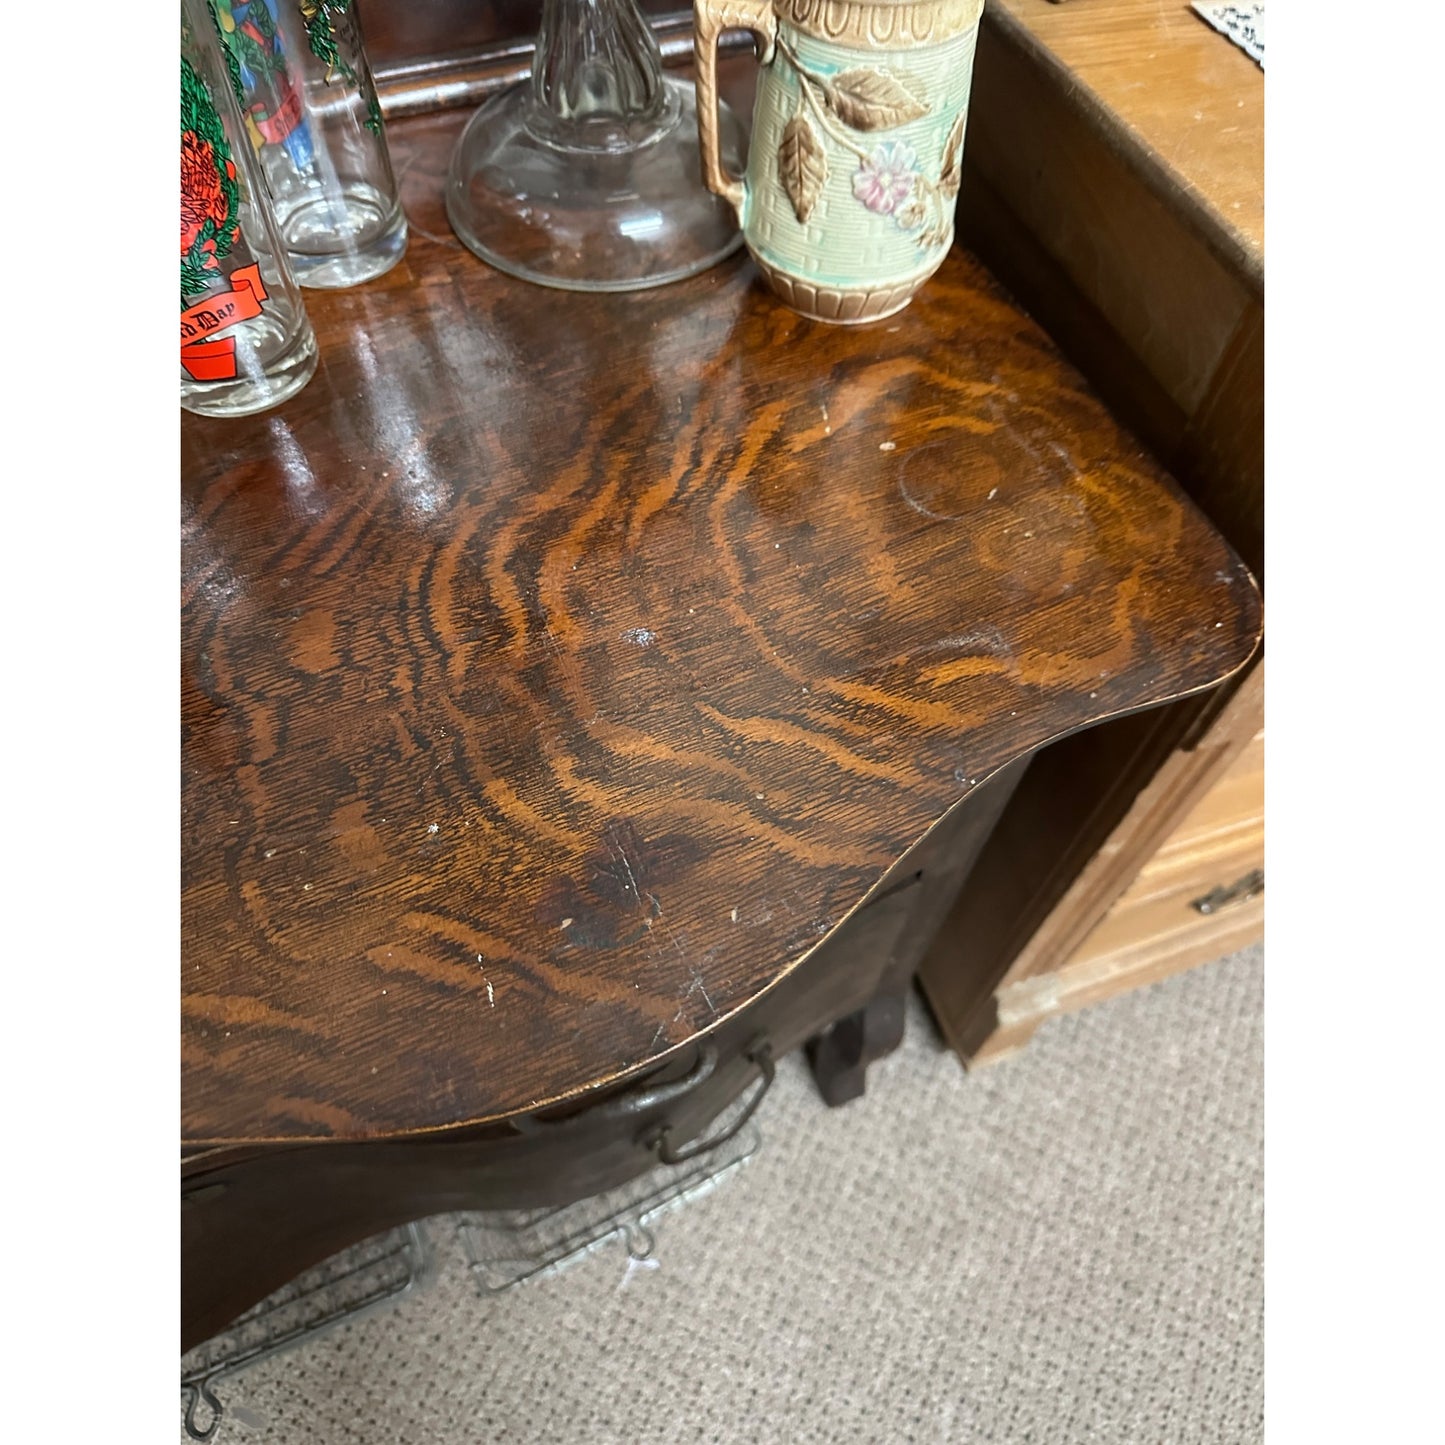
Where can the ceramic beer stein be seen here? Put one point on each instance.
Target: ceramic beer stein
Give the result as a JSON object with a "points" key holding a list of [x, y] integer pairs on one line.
{"points": [[857, 144]]}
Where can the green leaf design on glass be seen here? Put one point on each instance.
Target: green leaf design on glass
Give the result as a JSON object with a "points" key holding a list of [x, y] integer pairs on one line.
{"points": [[210, 192], [232, 68], [319, 17]]}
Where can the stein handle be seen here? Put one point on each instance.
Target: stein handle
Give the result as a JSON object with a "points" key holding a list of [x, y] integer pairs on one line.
{"points": [[710, 19]]}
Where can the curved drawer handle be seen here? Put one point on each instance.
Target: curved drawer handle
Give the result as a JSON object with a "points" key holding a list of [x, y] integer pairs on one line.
{"points": [[760, 1052], [626, 1106]]}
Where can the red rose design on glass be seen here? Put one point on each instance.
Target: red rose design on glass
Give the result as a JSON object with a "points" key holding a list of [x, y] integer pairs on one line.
{"points": [[202, 197]]}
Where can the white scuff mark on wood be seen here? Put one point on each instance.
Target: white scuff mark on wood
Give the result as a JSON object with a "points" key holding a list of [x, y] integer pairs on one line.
{"points": [[672, 937], [698, 986], [640, 636], [887, 446], [636, 892], [433, 827], [992, 494], [566, 923], [491, 997], [735, 915], [978, 639]]}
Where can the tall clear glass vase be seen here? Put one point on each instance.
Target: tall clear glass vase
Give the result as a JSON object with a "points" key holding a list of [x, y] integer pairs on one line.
{"points": [[588, 176], [313, 118], [246, 341]]}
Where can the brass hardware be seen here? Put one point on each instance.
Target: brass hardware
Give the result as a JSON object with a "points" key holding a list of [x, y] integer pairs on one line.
{"points": [[1250, 886], [628, 1105]]}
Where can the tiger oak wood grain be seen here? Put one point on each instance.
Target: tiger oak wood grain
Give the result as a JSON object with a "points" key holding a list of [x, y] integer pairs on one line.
{"points": [[559, 671]]}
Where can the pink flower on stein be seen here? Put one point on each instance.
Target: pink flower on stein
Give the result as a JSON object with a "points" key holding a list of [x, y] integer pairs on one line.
{"points": [[884, 180]]}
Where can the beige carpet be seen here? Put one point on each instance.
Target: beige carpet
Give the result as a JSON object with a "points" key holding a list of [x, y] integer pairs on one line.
{"points": [[1065, 1248]]}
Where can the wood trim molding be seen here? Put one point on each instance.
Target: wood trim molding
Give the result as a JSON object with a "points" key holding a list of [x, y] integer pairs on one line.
{"points": [[446, 82]]}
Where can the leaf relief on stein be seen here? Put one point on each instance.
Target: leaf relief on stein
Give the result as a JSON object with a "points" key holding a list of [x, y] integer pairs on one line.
{"points": [[855, 104]]}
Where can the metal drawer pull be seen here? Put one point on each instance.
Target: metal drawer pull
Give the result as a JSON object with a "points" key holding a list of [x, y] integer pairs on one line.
{"points": [[759, 1053], [1250, 886], [624, 1106]]}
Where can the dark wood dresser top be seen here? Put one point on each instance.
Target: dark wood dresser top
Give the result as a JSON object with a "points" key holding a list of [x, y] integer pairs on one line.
{"points": [[559, 670]]}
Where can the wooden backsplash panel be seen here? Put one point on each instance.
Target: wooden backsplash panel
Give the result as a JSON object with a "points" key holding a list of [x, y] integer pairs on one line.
{"points": [[402, 32]]}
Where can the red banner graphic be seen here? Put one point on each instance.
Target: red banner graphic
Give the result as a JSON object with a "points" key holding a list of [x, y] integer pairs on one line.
{"points": [[275, 128], [205, 353], [214, 361]]}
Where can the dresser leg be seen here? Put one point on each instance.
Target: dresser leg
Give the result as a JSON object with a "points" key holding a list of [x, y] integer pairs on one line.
{"points": [[840, 1055]]}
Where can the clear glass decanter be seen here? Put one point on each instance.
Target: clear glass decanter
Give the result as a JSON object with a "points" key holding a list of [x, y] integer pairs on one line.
{"points": [[588, 176]]}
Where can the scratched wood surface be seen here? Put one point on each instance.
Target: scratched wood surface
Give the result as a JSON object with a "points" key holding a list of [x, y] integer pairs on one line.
{"points": [[558, 671]]}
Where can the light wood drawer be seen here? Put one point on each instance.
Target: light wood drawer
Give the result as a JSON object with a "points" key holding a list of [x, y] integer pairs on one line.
{"points": [[1154, 929]]}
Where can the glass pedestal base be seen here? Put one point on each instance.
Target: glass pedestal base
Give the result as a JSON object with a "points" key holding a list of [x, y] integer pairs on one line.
{"points": [[592, 204]]}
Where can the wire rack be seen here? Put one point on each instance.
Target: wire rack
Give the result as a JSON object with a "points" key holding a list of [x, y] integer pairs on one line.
{"points": [[376, 1272], [505, 1247], [502, 1248]]}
